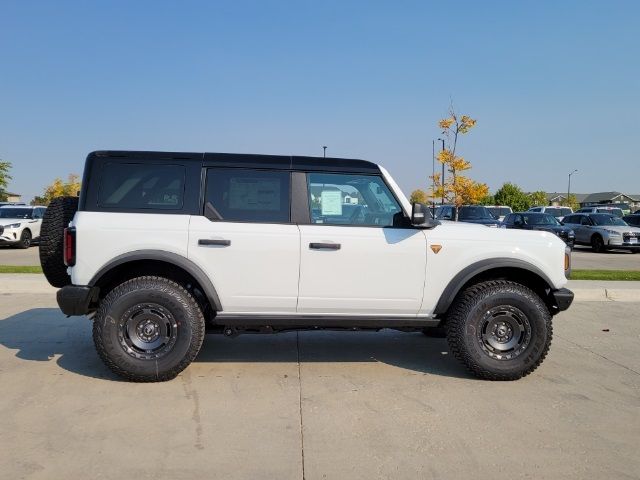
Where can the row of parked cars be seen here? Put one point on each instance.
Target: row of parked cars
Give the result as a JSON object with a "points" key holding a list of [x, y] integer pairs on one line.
{"points": [[601, 227], [20, 224]]}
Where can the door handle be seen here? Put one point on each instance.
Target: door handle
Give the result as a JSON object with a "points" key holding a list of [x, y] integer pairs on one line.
{"points": [[324, 246], [203, 242]]}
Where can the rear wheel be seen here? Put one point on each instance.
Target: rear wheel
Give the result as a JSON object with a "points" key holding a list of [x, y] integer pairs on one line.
{"points": [[148, 329], [597, 244], [25, 239], [500, 330]]}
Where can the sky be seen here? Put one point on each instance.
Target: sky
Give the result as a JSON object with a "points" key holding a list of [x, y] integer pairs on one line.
{"points": [[554, 85]]}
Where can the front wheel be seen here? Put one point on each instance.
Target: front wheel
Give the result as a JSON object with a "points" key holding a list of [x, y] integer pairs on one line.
{"points": [[148, 329], [597, 244], [25, 239], [500, 330]]}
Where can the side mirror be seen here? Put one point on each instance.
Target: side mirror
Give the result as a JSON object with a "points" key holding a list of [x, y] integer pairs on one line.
{"points": [[420, 216]]}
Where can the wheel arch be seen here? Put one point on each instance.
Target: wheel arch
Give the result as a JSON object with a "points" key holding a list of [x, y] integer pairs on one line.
{"points": [[155, 262], [493, 269]]}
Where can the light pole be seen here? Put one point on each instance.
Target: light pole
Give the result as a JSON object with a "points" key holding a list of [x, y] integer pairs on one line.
{"points": [[433, 179], [442, 179], [569, 188], [324, 151]]}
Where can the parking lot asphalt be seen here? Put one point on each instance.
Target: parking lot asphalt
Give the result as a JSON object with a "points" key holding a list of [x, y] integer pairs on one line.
{"points": [[317, 405], [582, 258]]}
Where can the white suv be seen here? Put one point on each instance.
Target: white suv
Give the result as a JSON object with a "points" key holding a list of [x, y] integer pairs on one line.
{"points": [[20, 225], [163, 245]]}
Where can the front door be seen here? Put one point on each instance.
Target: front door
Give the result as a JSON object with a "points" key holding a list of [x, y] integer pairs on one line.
{"points": [[246, 243], [355, 257]]}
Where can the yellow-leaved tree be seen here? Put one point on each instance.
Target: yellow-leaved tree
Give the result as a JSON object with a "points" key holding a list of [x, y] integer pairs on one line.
{"points": [[59, 188], [457, 188]]}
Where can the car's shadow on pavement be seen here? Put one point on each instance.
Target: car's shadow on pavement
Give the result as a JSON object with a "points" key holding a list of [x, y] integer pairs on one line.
{"points": [[44, 335]]}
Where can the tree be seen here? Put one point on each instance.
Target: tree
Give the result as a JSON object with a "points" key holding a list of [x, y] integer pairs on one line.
{"points": [[459, 189], [58, 188], [572, 202], [5, 167], [538, 198], [488, 200], [511, 195], [418, 196]]}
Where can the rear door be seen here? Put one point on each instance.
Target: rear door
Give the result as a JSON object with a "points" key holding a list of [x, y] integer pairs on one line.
{"points": [[248, 245], [355, 258]]}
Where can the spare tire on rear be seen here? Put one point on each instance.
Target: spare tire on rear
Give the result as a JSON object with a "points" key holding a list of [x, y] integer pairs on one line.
{"points": [[56, 218]]}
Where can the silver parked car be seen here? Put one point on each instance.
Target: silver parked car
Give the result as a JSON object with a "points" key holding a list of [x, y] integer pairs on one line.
{"points": [[603, 231]]}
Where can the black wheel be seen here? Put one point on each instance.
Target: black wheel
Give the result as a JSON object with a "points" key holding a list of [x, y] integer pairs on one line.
{"points": [[25, 239], [148, 329], [499, 329], [597, 244], [56, 218]]}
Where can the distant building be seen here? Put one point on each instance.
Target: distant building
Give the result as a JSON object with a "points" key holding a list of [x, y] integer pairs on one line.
{"points": [[556, 199], [601, 198], [13, 197]]}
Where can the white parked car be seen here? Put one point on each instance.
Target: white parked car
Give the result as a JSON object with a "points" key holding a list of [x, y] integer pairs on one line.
{"points": [[558, 212], [160, 245], [499, 211], [20, 225]]}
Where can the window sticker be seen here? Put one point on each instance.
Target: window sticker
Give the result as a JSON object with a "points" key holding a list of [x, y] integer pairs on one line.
{"points": [[331, 201], [254, 194]]}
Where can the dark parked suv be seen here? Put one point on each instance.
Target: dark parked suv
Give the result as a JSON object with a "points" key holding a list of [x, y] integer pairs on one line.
{"points": [[540, 221], [467, 213]]}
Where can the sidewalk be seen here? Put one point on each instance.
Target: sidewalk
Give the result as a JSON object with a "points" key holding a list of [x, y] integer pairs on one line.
{"points": [[584, 290]]}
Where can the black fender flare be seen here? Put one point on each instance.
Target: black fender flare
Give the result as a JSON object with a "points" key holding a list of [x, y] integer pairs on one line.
{"points": [[462, 278], [169, 257]]}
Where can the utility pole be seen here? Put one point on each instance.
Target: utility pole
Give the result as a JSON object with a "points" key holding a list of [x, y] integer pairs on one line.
{"points": [[569, 188], [324, 151], [442, 179]]}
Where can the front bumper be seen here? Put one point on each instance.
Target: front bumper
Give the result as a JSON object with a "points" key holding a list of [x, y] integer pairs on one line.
{"points": [[76, 299], [562, 298]]}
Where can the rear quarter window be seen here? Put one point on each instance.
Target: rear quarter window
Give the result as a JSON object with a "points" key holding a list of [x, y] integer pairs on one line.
{"points": [[141, 186]]}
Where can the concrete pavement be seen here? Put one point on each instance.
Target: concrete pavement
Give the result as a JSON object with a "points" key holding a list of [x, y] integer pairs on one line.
{"points": [[316, 405]]}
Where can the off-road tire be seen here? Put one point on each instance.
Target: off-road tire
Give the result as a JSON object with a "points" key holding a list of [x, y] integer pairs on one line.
{"points": [[597, 244], [25, 239], [465, 322], [56, 218], [180, 305]]}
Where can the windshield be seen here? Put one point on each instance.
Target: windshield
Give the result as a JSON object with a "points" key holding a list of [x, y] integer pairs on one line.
{"points": [[604, 219], [474, 213], [16, 212], [541, 219]]}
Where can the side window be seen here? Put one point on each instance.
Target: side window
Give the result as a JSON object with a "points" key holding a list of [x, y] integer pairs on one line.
{"points": [[508, 220], [364, 200], [585, 221], [142, 186], [244, 195]]}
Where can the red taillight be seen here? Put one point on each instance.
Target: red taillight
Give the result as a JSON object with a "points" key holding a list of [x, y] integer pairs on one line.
{"points": [[69, 246]]}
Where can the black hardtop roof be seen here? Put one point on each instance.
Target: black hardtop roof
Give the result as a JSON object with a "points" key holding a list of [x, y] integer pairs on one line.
{"points": [[279, 162]]}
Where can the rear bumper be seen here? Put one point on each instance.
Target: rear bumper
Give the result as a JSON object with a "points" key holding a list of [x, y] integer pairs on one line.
{"points": [[562, 298], [76, 300]]}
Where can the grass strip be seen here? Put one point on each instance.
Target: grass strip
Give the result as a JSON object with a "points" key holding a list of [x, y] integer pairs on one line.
{"points": [[630, 275], [20, 269]]}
